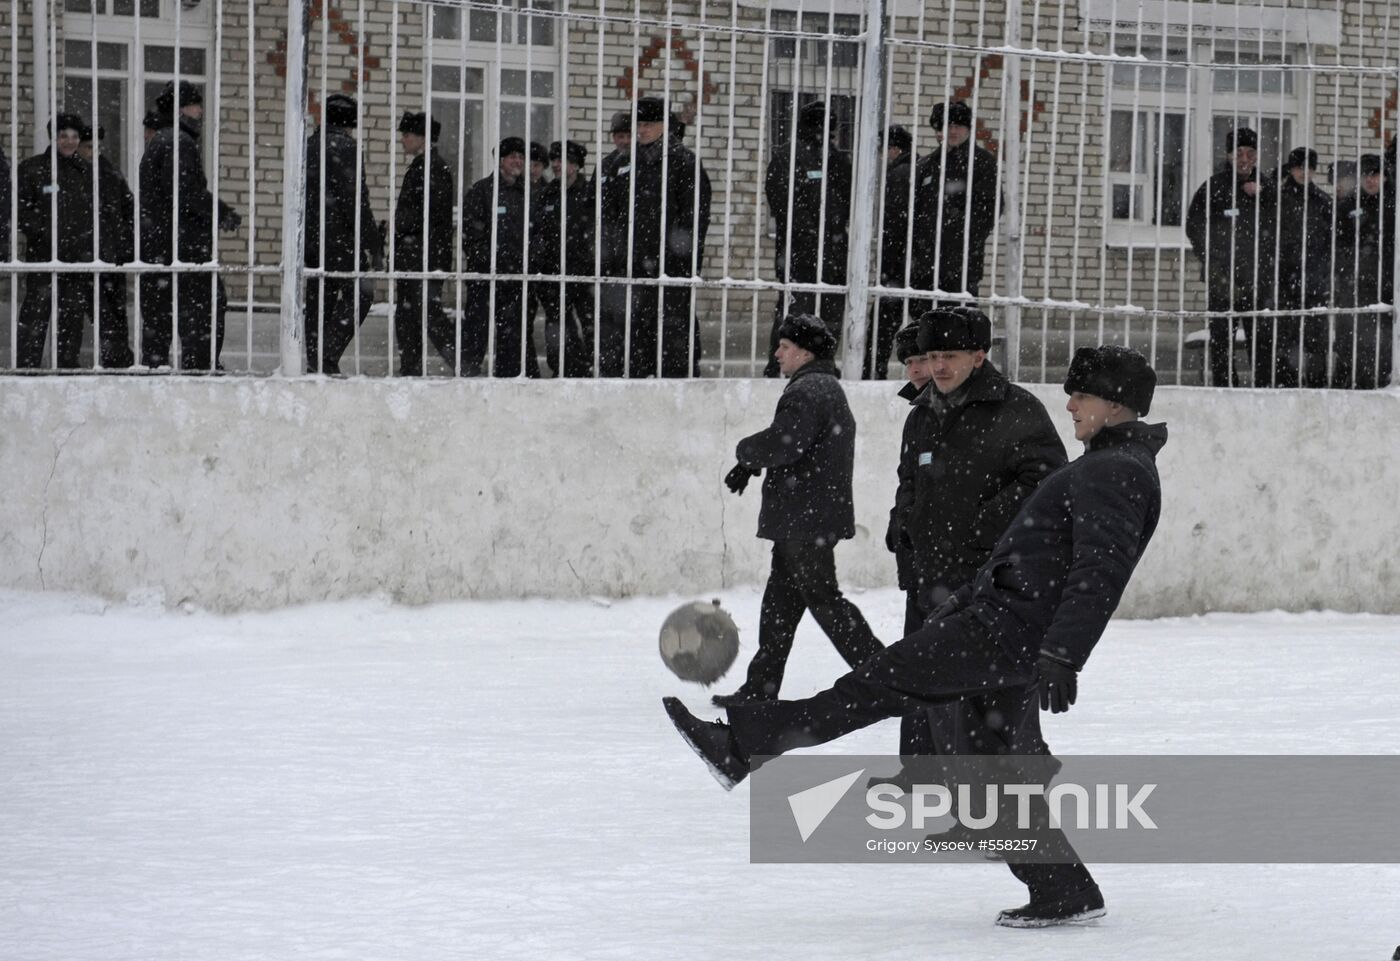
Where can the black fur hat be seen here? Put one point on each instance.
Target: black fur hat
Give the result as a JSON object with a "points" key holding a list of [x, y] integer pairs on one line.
{"points": [[1241, 137], [572, 151], [811, 120], [898, 136], [959, 115], [1301, 157], [621, 122], [417, 123], [906, 342], [955, 328], [651, 110], [67, 121], [1118, 374], [1370, 163], [341, 111], [189, 96], [810, 333], [510, 145], [538, 153]]}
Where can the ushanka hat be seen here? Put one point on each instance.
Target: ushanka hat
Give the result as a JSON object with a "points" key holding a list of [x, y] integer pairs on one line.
{"points": [[810, 333], [1119, 374], [955, 328]]}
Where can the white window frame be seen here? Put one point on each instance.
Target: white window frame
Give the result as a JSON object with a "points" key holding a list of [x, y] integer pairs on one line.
{"points": [[1201, 104], [196, 32], [493, 59]]}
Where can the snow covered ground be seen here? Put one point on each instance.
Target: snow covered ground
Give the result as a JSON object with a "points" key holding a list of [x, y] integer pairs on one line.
{"points": [[497, 780]]}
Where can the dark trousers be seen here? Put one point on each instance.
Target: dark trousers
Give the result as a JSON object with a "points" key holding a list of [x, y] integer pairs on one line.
{"points": [[571, 317], [74, 313], [505, 315], [113, 332], [1291, 351], [879, 342], [330, 311], [192, 304], [955, 657], [418, 316], [916, 730], [1220, 347], [803, 578], [831, 308], [1363, 351], [659, 322]]}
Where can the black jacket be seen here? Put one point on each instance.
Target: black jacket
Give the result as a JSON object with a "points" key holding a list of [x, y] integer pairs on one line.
{"points": [[894, 229], [577, 236], [197, 215], [342, 155], [809, 455], [484, 204], [820, 178], [116, 214], [410, 227], [4, 206], [1365, 247], [75, 210], [1226, 226], [1058, 572], [963, 478], [942, 220], [1305, 231], [668, 239], [903, 557]]}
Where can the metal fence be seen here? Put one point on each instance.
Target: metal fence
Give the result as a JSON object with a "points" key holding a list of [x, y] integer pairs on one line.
{"points": [[1050, 163]]}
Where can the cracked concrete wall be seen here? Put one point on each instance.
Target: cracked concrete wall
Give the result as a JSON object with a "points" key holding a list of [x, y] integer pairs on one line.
{"points": [[250, 494]]}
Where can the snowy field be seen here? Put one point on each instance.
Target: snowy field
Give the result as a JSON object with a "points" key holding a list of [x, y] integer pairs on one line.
{"points": [[497, 780]]}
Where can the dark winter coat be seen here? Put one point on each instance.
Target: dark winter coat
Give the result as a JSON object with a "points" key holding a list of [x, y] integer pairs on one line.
{"points": [[342, 164], [942, 220], [1228, 229], [486, 204], [410, 226], [668, 239], [116, 215], [962, 479], [550, 210], [1305, 231], [1365, 245], [1059, 570], [4, 206], [903, 557], [75, 209], [808, 454], [894, 231], [820, 179], [197, 215]]}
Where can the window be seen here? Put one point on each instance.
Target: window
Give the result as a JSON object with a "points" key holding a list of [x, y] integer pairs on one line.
{"points": [[1168, 119], [482, 93], [843, 53], [109, 80], [841, 117]]}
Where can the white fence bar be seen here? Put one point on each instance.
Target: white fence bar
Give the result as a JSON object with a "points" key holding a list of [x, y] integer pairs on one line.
{"points": [[294, 187], [865, 202]]}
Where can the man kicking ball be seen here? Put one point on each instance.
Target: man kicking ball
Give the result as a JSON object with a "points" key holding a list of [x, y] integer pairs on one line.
{"points": [[1027, 621]]}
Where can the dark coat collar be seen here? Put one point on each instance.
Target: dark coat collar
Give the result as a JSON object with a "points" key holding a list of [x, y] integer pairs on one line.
{"points": [[1151, 436], [820, 365]]}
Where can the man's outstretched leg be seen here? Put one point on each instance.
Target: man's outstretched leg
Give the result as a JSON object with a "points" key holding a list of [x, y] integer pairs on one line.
{"points": [[945, 659]]}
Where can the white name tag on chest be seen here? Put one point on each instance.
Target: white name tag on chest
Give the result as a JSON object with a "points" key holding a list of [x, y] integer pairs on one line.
{"points": [[814, 175], [926, 458], [500, 210]]}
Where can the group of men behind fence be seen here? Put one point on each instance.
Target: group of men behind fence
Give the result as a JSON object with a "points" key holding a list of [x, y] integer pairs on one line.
{"points": [[74, 206], [610, 261], [529, 245]]}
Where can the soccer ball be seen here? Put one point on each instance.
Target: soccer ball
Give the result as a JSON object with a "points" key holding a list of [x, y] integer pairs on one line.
{"points": [[699, 642]]}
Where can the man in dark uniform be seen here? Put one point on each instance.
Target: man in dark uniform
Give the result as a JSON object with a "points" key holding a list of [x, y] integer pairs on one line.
{"points": [[116, 244], [1018, 633], [889, 313], [1305, 235], [495, 221], [1365, 245], [808, 186], [809, 454], [534, 195], [332, 241], [974, 446], [955, 198], [57, 178], [423, 242], [669, 240], [171, 168], [565, 218], [1229, 232], [915, 361], [150, 126]]}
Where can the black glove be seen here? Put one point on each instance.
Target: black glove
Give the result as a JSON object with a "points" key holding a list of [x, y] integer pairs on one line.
{"points": [[892, 533], [1059, 684], [738, 478], [906, 540], [229, 219]]}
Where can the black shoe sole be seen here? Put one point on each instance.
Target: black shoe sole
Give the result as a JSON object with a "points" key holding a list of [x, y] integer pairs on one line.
{"points": [[677, 712], [1081, 917]]}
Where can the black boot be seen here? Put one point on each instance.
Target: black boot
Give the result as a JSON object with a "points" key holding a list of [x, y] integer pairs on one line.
{"points": [[712, 741], [1084, 905]]}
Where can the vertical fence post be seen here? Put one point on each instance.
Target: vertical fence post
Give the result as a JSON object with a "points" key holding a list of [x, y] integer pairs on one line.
{"points": [[294, 190], [41, 76], [865, 202], [1395, 274], [1010, 167]]}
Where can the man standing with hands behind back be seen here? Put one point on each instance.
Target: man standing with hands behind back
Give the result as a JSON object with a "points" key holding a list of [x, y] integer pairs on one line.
{"points": [[809, 453]]}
